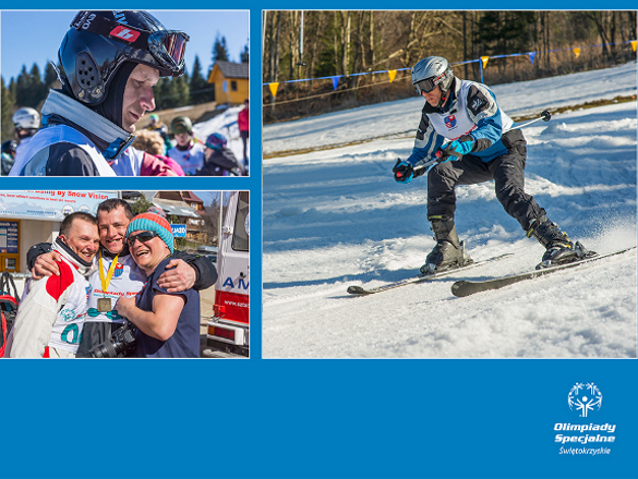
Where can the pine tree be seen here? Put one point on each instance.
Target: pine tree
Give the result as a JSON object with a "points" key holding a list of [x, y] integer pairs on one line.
{"points": [[50, 75], [38, 88], [6, 99], [244, 55], [23, 88], [199, 88], [220, 50]]}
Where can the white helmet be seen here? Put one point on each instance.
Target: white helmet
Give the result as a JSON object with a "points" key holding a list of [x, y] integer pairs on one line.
{"points": [[26, 118], [430, 72]]}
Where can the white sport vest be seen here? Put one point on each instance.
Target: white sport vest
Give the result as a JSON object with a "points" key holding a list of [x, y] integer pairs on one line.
{"points": [[460, 121], [32, 160]]}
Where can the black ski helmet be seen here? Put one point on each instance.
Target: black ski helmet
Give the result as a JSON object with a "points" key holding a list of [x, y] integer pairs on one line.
{"points": [[98, 42], [430, 72]]}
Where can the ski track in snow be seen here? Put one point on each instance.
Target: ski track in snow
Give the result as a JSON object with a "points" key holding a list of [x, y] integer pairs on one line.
{"points": [[335, 218]]}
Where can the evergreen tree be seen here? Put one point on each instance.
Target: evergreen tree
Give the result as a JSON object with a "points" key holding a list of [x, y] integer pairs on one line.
{"points": [[38, 88], [199, 88], [50, 75], [220, 50], [23, 88], [6, 100], [244, 55], [182, 91]]}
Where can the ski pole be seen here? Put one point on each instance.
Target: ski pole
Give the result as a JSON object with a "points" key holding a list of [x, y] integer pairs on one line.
{"points": [[545, 116], [425, 168]]}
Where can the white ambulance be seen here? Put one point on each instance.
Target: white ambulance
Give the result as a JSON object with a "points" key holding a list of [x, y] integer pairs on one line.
{"points": [[228, 331]]}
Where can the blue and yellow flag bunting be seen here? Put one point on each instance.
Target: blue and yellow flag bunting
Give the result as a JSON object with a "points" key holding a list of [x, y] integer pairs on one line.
{"points": [[483, 60]]}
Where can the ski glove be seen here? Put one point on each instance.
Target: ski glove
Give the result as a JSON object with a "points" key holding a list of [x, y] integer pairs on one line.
{"points": [[403, 172], [455, 150]]}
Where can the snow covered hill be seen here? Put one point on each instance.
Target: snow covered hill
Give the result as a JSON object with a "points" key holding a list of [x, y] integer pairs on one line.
{"points": [[336, 217], [226, 124]]}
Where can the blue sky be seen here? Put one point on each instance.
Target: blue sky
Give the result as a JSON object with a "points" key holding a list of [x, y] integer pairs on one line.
{"points": [[30, 37]]}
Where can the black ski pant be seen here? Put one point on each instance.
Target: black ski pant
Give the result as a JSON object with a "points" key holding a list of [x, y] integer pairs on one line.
{"points": [[507, 171]]}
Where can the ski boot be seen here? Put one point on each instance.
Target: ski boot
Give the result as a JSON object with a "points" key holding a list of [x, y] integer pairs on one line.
{"points": [[448, 253], [559, 249]]}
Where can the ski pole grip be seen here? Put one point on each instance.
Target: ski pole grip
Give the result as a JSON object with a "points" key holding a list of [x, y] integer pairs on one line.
{"points": [[418, 170]]}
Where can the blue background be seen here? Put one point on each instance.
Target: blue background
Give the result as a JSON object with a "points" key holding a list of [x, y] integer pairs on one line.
{"points": [[302, 418]]}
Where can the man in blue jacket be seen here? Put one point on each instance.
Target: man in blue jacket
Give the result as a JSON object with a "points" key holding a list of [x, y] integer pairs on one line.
{"points": [[463, 128]]}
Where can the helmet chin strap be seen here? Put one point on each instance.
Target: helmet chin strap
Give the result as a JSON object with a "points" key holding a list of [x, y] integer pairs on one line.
{"points": [[111, 107], [443, 100]]}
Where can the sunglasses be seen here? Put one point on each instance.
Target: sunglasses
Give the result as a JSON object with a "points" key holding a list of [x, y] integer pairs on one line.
{"points": [[142, 237]]}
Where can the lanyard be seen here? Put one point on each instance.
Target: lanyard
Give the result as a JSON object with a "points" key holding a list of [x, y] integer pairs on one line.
{"points": [[107, 281]]}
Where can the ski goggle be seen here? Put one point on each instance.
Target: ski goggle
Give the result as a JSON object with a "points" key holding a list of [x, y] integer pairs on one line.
{"points": [[428, 84], [168, 47], [142, 237]]}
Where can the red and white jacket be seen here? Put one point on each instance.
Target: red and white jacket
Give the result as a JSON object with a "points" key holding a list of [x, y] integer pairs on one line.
{"points": [[51, 315]]}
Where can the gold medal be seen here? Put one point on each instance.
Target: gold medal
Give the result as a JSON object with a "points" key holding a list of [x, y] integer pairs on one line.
{"points": [[104, 305]]}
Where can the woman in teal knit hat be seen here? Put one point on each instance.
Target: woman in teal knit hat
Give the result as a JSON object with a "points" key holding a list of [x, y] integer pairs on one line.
{"points": [[167, 323]]}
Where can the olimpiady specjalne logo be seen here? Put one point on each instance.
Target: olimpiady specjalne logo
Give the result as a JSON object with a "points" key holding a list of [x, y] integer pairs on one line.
{"points": [[585, 397]]}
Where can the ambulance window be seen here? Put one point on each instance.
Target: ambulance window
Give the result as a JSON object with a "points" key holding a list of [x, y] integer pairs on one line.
{"points": [[240, 236]]}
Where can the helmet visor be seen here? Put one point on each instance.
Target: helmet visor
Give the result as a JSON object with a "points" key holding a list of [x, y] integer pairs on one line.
{"points": [[168, 47]]}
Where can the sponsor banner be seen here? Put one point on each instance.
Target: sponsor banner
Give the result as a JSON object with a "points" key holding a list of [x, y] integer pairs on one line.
{"points": [[50, 205]]}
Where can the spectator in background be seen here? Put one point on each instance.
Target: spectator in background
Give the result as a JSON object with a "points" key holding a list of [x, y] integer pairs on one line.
{"points": [[243, 122], [26, 122], [8, 156], [154, 162], [220, 160], [187, 152], [157, 126]]}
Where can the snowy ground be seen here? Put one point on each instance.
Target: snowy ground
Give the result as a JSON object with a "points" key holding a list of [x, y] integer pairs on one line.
{"points": [[336, 217], [226, 124]]}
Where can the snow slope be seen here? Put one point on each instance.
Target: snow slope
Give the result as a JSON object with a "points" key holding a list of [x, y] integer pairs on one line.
{"points": [[336, 217], [517, 99], [226, 124]]}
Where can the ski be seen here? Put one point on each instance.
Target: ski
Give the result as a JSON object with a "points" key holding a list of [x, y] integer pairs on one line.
{"points": [[420, 278], [467, 288]]}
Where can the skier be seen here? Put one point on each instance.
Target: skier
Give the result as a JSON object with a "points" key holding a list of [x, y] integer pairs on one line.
{"points": [[188, 153], [463, 128], [110, 62], [220, 160]]}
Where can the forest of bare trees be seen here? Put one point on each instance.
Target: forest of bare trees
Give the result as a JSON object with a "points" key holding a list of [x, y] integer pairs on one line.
{"points": [[317, 44]]}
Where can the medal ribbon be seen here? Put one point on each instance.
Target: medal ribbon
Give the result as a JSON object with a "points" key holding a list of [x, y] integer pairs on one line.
{"points": [[106, 281]]}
